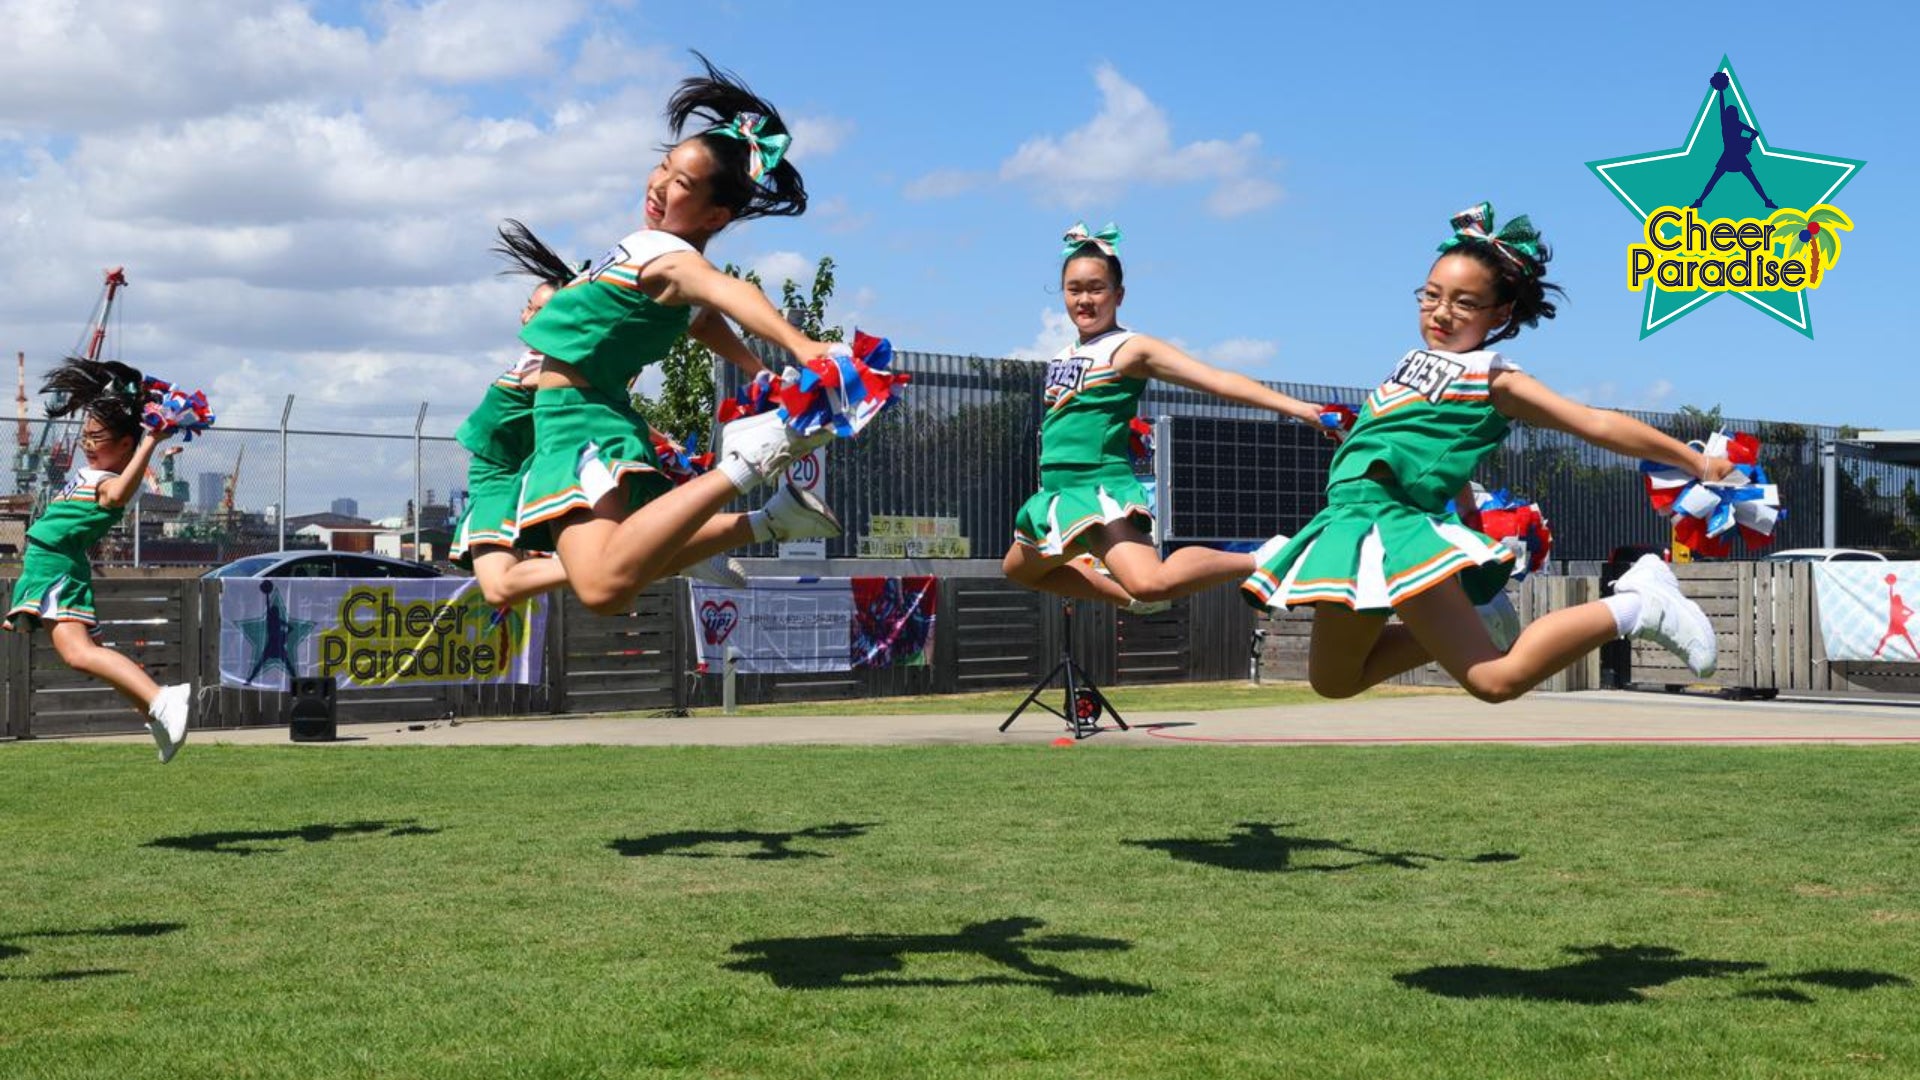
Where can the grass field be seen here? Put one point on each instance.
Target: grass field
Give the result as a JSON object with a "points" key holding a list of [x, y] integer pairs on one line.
{"points": [[1453, 912]]}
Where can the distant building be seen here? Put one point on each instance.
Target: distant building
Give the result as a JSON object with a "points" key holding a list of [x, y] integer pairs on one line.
{"points": [[211, 488], [346, 507]]}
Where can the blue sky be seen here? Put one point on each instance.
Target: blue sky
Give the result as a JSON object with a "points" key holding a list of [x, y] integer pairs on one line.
{"points": [[312, 216]]}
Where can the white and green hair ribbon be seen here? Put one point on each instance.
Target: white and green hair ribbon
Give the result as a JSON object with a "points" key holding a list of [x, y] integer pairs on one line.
{"points": [[1513, 240], [763, 151], [1106, 240]]}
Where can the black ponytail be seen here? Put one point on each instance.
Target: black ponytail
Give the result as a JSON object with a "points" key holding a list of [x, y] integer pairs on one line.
{"points": [[530, 256], [715, 99], [1522, 284], [107, 390]]}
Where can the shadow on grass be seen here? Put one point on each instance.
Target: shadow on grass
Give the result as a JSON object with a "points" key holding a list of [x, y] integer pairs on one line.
{"points": [[1615, 975], [773, 845], [850, 961], [10, 951], [1260, 847], [263, 841]]}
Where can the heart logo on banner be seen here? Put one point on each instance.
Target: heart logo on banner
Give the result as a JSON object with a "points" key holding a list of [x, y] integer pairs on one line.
{"points": [[717, 620]]}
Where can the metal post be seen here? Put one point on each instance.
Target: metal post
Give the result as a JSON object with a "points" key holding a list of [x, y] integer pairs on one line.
{"points": [[136, 529], [729, 683], [1830, 494], [1162, 479], [286, 414], [419, 422]]}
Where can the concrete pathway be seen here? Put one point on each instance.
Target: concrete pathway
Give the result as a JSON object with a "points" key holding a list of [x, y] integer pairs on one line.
{"points": [[1543, 719]]}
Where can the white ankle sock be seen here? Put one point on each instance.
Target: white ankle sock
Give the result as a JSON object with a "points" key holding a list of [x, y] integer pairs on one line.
{"points": [[762, 529], [737, 470], [1626, 611]]}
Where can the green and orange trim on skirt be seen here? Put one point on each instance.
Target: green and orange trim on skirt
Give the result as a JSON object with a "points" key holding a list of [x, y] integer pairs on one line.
{"points": [[1370, 550], [586, 445]]}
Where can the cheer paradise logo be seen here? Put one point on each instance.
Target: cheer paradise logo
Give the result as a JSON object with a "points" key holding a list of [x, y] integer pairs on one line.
{"points": [[1730, 212], [380, 639]]}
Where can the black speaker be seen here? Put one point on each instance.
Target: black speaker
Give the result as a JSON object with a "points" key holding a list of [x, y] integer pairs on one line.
{"points": [[313, 705]]}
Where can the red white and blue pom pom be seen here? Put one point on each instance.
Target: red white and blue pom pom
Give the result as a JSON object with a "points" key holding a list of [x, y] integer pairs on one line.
{"points": [[750, 400], [843, 390], [1338, 417], [170, 409], [680, 463], [1140, 444], [1706, 515], [1518, 523]]}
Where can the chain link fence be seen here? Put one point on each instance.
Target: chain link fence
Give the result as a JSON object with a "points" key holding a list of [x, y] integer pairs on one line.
{"points": [[942, 472]]}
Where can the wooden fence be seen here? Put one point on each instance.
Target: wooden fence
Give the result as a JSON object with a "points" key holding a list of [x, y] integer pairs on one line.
{"points": [[991, 634]]}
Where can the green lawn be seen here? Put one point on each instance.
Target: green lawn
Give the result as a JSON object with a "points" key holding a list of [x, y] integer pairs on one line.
{"points": [[1452, 912], [1192, 697]]}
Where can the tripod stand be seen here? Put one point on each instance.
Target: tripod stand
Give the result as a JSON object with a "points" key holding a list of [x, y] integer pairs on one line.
{"points": [[1083, 703]]}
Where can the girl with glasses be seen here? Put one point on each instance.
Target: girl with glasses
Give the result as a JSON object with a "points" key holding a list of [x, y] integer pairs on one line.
{"points": [[1384, 545], [56, 579]]}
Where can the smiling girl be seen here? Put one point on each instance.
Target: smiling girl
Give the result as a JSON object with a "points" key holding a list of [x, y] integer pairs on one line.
{"points": [[593, 463], [1089, 500], [1384, 544]]}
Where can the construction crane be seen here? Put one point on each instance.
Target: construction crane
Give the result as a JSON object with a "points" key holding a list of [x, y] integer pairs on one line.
{"points": [[228, 521], [41, 469]]}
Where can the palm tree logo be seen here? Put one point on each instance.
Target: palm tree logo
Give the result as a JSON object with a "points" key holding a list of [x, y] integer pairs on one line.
{"points": [[1814, 231]]}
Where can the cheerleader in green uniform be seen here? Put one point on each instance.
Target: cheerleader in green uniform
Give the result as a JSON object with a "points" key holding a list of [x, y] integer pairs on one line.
{"points": [[1384, 545], [593, 464], [499, 436], [56, 579], [1089, 501]]}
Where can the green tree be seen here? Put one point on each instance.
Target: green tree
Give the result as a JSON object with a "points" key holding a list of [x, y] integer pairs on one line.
{"points": [[686, 401]]}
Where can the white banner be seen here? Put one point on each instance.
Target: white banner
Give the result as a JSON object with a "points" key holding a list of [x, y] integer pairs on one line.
{"points": [[375, 632], [1864, 608], [777, 625]]}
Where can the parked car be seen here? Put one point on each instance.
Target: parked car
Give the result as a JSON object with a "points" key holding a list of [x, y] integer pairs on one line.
{"points": [[321, 564], [1824, 555]]}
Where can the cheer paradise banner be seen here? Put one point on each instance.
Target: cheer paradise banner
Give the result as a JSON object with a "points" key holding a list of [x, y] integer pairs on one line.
{"points": [[374, 633], [809, 624], [1864, 608]]}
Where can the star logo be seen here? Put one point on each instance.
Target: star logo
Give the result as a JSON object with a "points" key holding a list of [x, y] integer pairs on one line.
{"points": [[1730, 170], [274, 639]]}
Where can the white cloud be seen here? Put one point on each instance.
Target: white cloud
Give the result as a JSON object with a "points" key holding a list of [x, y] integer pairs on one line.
{"points": [[1056, 330], [1242, 354], [459, 41], [776, 267], [816, 137], [945, 183], [1131, 140]]}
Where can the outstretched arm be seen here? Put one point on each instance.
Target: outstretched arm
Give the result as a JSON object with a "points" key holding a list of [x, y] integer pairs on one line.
{"points": [[1525, 398], [685, 278], [120, 490], [711, 330], [1152, 358]]}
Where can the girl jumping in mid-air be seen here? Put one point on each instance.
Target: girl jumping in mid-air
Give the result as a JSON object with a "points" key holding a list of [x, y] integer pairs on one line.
{"points": [[499, 436], [56, 580], [1089, 500], [1384, 545], [593, 463]]}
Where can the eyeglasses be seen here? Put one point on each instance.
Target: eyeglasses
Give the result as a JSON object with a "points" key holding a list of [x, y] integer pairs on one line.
{"points": [[1460, 306], [95, 438]]}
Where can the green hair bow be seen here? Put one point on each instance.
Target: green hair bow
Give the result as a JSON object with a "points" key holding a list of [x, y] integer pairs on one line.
{"points": [[1106, 239], [763, 151], [1515, 239]]}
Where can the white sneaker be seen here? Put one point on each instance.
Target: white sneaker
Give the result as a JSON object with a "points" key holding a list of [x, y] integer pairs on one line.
{"points": [[1501, 620], [723, 570], [766, 445], [797, 514], [170, 711], [1668, 618]]}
